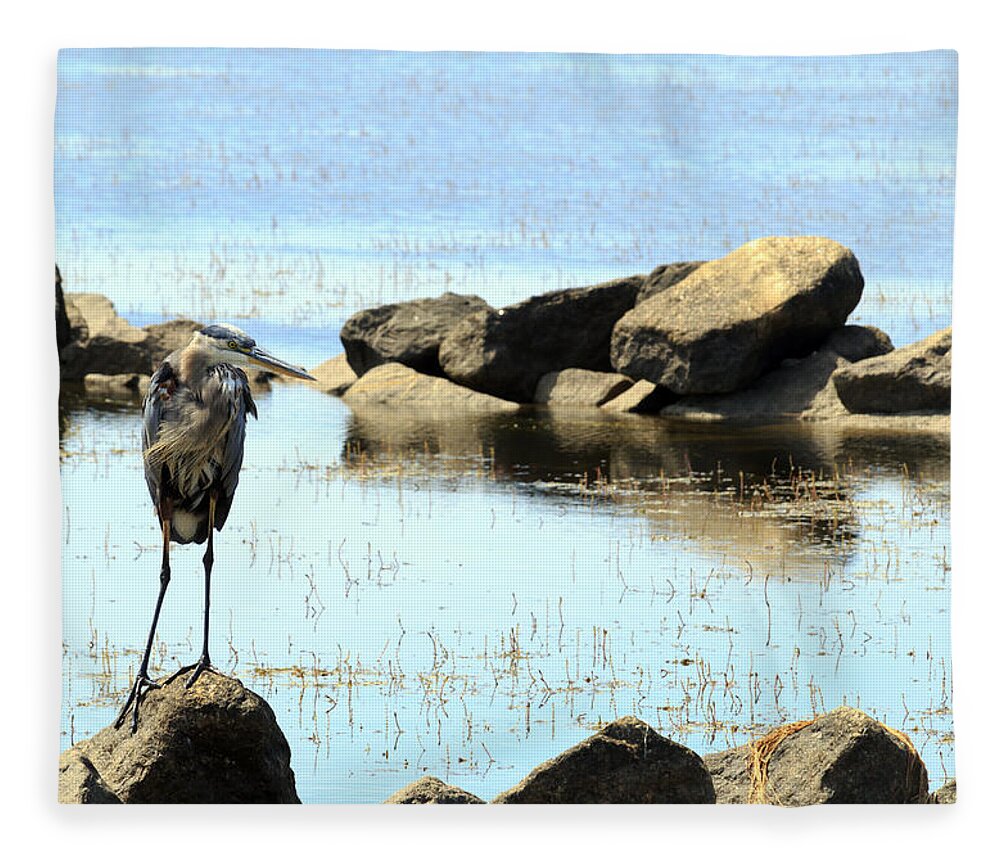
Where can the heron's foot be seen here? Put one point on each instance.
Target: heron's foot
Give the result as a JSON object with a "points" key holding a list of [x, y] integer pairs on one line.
{"points": [[203, 665], [143, 684]]}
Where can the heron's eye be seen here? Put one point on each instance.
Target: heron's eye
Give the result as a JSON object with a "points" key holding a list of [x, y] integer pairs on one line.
{"points": [[232, 344]]}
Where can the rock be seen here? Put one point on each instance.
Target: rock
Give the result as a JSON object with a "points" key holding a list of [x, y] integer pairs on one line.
{"points": [[408, 333], [110, 346], [856, 343], [663, 278], [841, 757], [625, 762], [64, 330], [79, 781], [796, 389], [215, 743], [577, 387], [734, 318], [799, 388], [430, 789], [642, 396], [395, 385], [121, 386], [334, 376], [947, 793], [505, 352], [914, 378]]}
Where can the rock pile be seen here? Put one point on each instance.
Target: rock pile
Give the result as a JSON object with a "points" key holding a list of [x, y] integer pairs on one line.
{"points": [[757, 335]]}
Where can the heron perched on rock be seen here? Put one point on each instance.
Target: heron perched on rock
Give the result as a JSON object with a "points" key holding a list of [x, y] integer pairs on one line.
{"points": [[193, 425]]}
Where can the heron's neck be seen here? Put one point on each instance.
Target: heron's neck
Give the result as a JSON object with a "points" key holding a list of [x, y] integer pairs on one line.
{"points": [[194, 362]]}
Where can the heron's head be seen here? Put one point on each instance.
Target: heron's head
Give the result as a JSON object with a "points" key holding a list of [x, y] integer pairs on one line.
{"points": [[236, 347]]}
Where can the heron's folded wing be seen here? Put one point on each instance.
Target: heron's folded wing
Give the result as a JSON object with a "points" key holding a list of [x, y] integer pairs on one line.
{"points": [[234, 381], [161, 385]]}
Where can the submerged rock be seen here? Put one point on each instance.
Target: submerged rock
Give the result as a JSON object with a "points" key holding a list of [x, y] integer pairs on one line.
{"points": [[334, 376], [396, 385], [734, 318], [843, 756], [625, 762], [121, 386], [408, 333], [914, 378], [430, 789], [577, 387], [505, 352], [215, 743]]}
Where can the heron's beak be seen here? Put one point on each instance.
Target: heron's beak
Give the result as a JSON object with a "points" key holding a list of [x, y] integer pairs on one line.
{"points": [[268, 362]]}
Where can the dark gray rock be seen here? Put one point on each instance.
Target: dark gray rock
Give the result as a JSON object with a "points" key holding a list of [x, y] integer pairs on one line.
{"points": [[407, 333], [734, 318], [914, 378], [856, 342], [109, 344], [215, 743], [505, 352], [844, 756], [663, 278], [625, 762], [430, 789], [396, 385], [577, 387], [729, 774]]}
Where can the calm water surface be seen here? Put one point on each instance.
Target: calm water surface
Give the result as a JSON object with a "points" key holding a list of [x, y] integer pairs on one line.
{"points": [[417, 594]]}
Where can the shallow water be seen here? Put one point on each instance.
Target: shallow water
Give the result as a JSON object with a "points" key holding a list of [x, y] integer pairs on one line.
{"points": [[415, 593], [469, 598]]}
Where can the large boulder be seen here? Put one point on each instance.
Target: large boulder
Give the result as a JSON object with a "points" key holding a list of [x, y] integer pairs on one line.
{"points": [[397, 385], [799, 388], [334, 376], [844, 756], [734, 318], [664, 277], [215, 743], [408, 333], [625, 762], [577, 387], [430, 789], [505, 352], [914, 378]]}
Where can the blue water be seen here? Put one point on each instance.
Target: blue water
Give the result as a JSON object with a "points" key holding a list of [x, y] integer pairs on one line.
{"points": [[467, 598], [300, 185]]}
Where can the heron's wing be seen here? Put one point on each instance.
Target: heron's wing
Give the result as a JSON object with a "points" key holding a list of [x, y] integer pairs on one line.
{"points": [[236, 386], [161, 386]]}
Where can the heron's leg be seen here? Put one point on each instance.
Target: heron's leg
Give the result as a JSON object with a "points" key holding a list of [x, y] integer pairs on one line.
{"points": [[204, 663], [142, 681]]}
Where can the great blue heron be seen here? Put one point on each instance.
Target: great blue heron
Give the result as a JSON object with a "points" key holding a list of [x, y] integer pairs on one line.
{"points": [[193, 424]]}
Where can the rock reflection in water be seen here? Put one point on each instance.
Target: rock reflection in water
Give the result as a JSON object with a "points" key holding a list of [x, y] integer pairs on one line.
{"points": [[763, 494]]}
